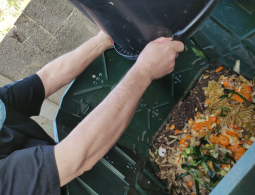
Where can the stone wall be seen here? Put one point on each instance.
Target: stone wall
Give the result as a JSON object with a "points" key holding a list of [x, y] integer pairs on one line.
{"points": [[44, 31]]}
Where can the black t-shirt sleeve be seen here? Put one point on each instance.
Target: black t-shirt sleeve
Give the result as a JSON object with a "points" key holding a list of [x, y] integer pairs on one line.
{"points": [[30, 171], [25, 96]]}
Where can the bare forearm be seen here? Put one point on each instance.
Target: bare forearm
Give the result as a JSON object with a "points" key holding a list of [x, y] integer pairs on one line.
{"points": [[64, 69], [99, 131], [74, 63], [110, 119]]}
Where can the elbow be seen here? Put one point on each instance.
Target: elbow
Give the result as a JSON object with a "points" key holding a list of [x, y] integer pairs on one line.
{"points": [[87, 166], [79, 173]]}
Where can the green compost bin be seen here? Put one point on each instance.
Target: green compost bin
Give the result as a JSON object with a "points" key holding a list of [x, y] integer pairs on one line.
{"points": [[228, 35]]}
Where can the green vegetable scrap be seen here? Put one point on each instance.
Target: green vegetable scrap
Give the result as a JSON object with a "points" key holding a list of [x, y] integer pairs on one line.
{"points": [[224, 108], [191, 165], [198, 52], [231, 93]]}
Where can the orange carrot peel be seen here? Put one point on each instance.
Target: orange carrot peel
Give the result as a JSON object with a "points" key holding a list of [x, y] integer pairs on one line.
{"points": [[219, 69]]}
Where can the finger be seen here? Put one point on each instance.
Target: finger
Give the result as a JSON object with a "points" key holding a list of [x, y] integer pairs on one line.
{"points": [[168, 39], [163, 39], [177, 54], [177, 46]]}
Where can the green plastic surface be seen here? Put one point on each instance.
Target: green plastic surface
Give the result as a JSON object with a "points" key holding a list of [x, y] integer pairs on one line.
{"points": [[228, 35]]}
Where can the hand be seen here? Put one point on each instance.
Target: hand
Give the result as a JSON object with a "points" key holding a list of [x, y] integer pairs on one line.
{"points": [[158, 57], [105, 38]]}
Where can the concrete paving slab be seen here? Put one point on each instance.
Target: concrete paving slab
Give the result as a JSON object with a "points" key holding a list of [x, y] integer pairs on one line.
{"points": [[46, 124], [15, 55], [49, 13], [30, 28], [42, 58], [71, 35], [29, 71], [57, 96], [4, 80], [49, 110], [91, 26], [37, 119]]}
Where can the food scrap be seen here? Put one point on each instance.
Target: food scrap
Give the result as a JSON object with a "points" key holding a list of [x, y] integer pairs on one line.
{"points": [[219, 69], [198, 156]]}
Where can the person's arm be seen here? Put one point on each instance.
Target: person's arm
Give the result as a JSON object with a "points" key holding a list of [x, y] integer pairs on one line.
{"points": [[64, 69], [101, 129]]}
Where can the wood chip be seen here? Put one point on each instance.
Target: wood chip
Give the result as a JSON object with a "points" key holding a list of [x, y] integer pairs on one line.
{"points": [[167, 128], [169, 143]]}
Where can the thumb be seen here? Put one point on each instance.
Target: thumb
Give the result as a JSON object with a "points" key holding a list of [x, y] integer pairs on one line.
{"points": [[178, 46]]}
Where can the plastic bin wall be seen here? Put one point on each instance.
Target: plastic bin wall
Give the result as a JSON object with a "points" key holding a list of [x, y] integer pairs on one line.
{"points": [[228, 35]]}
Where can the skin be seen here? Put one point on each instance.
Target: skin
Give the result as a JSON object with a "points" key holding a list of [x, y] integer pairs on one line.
{"points": [[100, 130]]}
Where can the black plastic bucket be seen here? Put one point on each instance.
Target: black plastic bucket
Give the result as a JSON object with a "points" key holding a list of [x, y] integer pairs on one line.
{"points": [[132, 23]]}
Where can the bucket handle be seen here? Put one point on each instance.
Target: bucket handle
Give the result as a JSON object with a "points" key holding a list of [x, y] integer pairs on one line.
{"points": [[183, 31]]}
